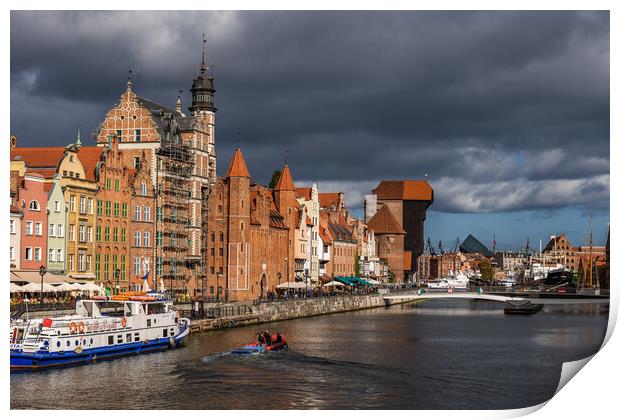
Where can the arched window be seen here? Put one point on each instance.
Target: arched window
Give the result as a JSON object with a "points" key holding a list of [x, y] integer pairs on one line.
{"points": [[34, 205]]}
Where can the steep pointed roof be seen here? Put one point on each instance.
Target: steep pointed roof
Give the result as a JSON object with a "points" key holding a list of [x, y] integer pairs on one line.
{"points": [[384, 222], [237, 166], [471, 245], [285, 183]]}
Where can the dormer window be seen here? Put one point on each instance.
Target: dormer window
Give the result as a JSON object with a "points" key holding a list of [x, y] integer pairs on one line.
{"points": [[34, 205]]}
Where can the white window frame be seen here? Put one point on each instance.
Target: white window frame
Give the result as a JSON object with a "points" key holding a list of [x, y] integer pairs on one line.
{"points": [[29, 227], [138, 213], [60, 230], [147, 213], [137, 236], [12, 253], [136, 266], [38, 228], [51, 255], [82, 204], [82, 233], [72, 232], [51, 230], [60, 255], [146, 239], [12, 226], [28, 253], [72, 203], [89, 234], [37, 253]]}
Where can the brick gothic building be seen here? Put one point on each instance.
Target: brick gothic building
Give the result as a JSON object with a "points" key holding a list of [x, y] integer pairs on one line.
{"points": [[250, 234], [179, 151], [408, 201]]}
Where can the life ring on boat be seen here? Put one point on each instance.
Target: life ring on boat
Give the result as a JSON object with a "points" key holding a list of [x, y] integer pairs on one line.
{"points": [[72, 327], [123, 322], [80, 327]]}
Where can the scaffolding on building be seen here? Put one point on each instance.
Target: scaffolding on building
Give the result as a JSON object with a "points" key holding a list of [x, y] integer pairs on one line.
{"points": [[174, 168]]}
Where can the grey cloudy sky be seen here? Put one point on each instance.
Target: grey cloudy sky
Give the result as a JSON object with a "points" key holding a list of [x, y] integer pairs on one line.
{"points": [[504, 111]]}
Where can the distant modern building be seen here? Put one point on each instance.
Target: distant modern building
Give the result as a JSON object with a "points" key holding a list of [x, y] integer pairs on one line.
{"points": [[471, 245], [408, 201]]}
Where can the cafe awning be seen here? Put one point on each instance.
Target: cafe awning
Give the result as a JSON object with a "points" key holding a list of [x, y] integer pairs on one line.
{"points": [[291, 285], [344, 280]]}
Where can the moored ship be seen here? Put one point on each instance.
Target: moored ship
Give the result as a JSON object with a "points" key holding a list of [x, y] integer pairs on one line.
{"points": [[103, 328]]}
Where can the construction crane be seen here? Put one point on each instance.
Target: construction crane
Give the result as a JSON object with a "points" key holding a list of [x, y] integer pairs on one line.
{"points": [[456, 246], [430, 249], [440, 246]]}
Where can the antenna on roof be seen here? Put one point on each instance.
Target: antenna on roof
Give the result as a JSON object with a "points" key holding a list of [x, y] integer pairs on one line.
{"points": [[286, 157], [238, 137]]}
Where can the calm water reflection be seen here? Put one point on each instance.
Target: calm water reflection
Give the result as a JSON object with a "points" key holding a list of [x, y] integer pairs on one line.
{"points": [[450, 355]]}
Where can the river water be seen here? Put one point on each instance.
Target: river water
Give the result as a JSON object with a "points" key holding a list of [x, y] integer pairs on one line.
{"points": [[429, 355]]}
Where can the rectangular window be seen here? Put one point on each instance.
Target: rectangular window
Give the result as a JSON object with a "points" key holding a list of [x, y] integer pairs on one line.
{"points": [[28, 253], [136, 266], [82, 233], [123, 267], [159, 215], [106, 234], [98, 234], [159, 266], [116, 209], [136, 163], [143, 188], [137, 135], [147, 239], [138, 213], [81, 261], [119, 135], [57, 206], [165, 332], [89, 206], [51, 255], [128, 337], [98, 265], [117, 185], [88, 261], [89, 234], [12, 253], [38, 228], [124, 210], [159, 238], [110, 340], [108, 208], [114, 262], [82, 204], [72, 232], [60, 256], [137, 238], [106, 266], [37, 254], [60, 232], [51, 230], [72, 203], [29, 228], [147, 214], [136, 336], [115, 234], [12, 226], [123, 234], [99, 207], [71, 262]]}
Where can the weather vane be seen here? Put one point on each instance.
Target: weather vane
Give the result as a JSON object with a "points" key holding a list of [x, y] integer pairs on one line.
{"points": [[238, 137]]}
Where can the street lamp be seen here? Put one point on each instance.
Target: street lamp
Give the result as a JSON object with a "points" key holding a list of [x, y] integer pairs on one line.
{"points": [[42, 272]]}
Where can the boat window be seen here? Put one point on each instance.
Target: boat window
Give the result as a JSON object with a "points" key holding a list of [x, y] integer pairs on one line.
{"points": [[148, 322], [58, 344], [77, 342], [110, 339], [91, 341], [129, 337], [171, 331], [68, 343], [136, 337], [165, 332], [119, 339]]}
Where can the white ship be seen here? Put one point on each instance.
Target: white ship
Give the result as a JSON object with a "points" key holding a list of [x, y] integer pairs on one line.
{"points": [[100, 329]]}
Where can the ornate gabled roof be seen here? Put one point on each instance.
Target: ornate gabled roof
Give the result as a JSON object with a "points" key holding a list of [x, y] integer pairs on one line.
{"points": [[237, 166], [384, 222], [285, 183], [305, 192]]}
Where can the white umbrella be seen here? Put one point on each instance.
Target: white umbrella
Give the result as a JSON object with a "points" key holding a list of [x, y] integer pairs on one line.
{"points": [[66, 287], [333, 283], [371, 281], [15, 288], [291, 285], [34, 288]]}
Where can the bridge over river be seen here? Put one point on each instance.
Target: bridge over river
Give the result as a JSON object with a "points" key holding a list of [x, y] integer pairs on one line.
{"points": [[563, 300]]}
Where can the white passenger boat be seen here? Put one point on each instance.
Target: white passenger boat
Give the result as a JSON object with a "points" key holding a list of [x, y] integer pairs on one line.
{"points": [[103, 328], [458, 282]]}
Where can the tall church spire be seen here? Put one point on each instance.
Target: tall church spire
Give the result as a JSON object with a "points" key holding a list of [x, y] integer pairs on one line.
{"points": [[237, 167]]}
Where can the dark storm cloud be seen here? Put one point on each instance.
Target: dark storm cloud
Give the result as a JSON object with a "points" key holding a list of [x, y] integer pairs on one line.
{"points": [[504, 111]]}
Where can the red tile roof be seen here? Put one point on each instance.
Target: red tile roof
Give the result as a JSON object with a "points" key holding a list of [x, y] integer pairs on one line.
{"points": [[39, 157], [237, 166], [304, 192], [328, 199], [385, 222], [90, 156], [404, 190], [285, 183]]}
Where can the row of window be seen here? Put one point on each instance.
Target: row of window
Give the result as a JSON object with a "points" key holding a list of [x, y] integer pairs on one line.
{"points": [[106, 273], [56, 230], [86, 204], [106, 234]]}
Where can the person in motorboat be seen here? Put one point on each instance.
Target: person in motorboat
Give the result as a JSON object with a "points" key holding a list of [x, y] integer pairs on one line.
{"points": [[267, 337], [260, 339], [278, 338]]}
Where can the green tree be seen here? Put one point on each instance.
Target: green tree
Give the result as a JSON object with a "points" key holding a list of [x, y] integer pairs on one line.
{"points": [[275, 177], [486, 271], [357, 266]]}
